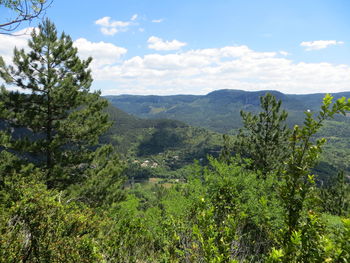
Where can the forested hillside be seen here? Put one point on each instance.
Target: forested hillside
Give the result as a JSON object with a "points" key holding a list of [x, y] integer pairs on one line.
{"points": [[164, 147], [219, 110]]}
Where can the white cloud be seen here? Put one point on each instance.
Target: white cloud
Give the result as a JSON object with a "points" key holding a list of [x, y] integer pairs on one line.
{"points": [[157, 20], [157, 43], [19, 40], [102, 53], [233, 67], [111, 27], [319, 44], [200, 71], [284, 53], [8, 43], [106, 22], [109, 31]]}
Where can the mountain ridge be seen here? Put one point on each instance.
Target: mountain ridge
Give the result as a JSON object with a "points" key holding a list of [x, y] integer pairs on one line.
{"points": [[219, 110]]}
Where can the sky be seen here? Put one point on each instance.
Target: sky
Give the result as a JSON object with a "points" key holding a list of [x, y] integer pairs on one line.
{"points": [[167, 47]]}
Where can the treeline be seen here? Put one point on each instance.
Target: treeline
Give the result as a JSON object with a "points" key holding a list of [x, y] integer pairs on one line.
{"points": [[63, 197]]}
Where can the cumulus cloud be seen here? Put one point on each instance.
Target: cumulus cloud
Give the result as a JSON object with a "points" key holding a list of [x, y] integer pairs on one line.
{"points": [[102, 53], [233, 67], [8, 42], [106, 22], [200, 71], [284, 53], [111, 27], [319, 44], [157, 43]]}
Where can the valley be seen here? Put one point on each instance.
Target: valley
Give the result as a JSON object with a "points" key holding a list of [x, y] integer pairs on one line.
{"points": [[173, 131]]}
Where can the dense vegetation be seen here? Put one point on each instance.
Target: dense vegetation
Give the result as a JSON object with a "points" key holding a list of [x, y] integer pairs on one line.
{"points": [[212, 111], [159, 148], [65, 197]]}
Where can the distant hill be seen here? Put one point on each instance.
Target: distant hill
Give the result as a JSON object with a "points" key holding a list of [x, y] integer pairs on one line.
{"points": [[171, 144], [219, 110]]}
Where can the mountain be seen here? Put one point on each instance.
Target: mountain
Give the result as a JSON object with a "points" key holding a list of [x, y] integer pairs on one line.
{"points": [[219, 110]]}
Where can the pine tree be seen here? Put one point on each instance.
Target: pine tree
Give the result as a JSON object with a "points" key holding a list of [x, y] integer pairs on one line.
{"points": [[264, 137], [58, 120]]}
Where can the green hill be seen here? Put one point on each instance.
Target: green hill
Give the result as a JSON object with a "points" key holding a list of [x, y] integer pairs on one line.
{"points": [[218, 110]]}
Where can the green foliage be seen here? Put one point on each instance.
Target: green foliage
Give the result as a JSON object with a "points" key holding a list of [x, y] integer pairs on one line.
{"points": [[313, 242], [238, 214], [48, 142], [37, 225], [264, 137], [61, 119], [146, 228], [228, 213], [336, 198], [102, 186], [126, 236], [343, 242], [298, 185]]}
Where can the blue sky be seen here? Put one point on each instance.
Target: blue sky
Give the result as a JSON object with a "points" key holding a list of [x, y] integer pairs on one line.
{"points": [[197, 46]]}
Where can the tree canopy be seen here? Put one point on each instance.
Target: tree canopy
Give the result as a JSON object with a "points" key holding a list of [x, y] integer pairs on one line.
{"points": [[60, 120]]}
